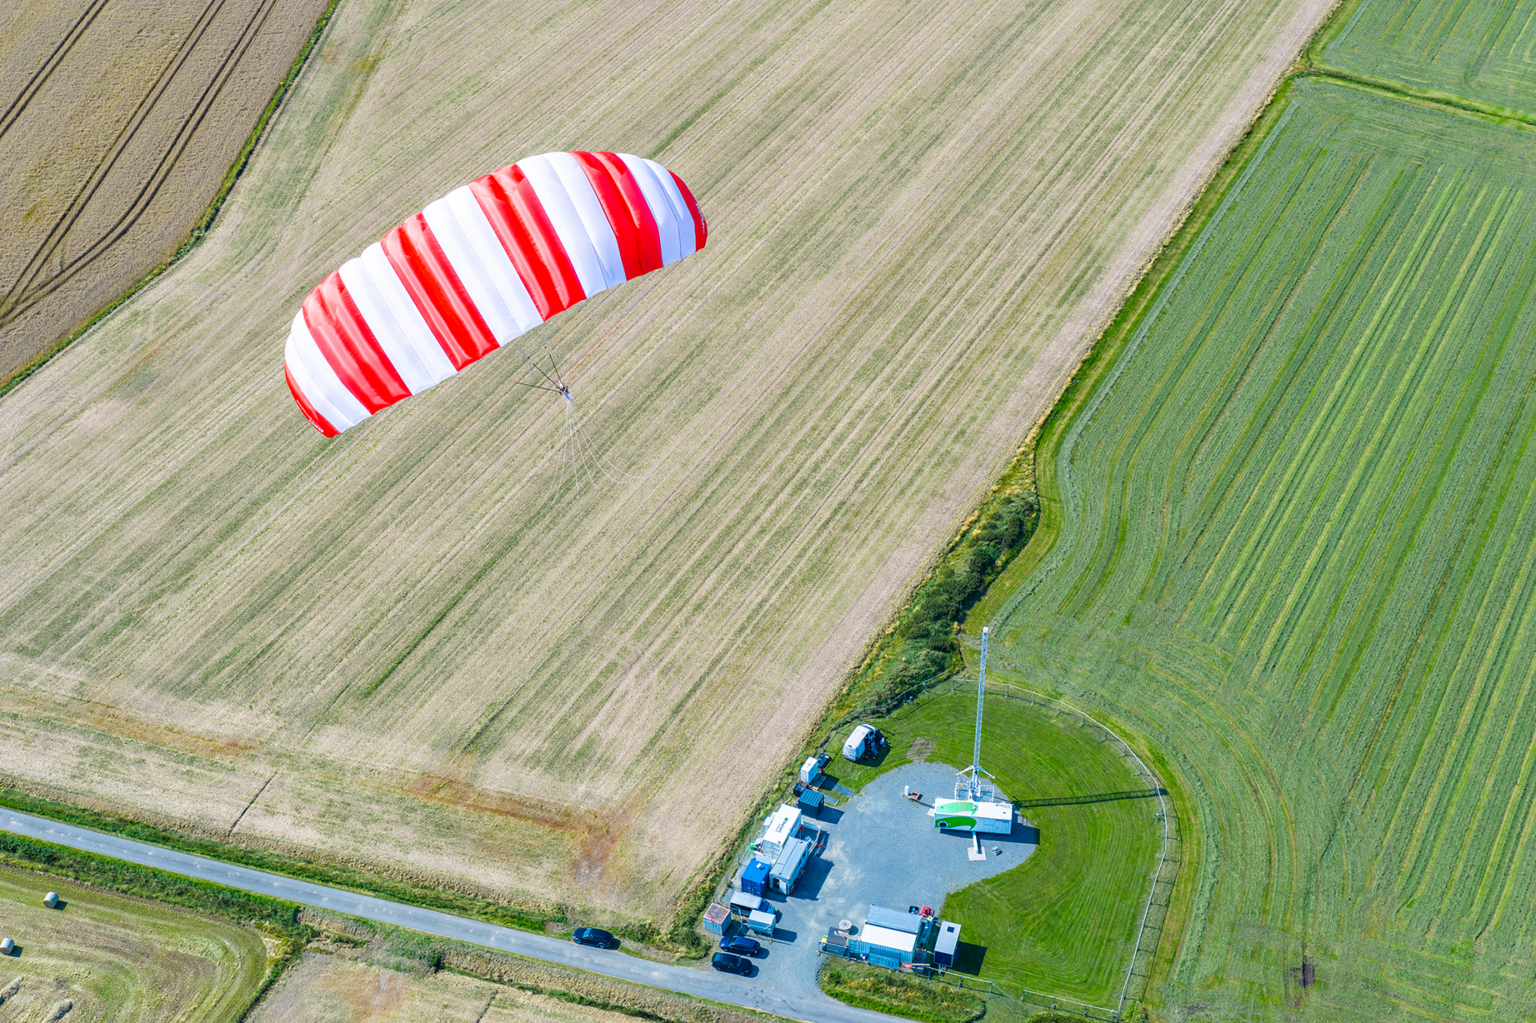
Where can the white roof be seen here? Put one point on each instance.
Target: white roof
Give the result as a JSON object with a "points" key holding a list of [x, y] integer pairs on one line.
{"points": [[991, 811], [782, 825], [887, 938]]}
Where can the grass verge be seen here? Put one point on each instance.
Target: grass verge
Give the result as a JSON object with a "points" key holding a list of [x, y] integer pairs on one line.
{"points": [[869, 987]]}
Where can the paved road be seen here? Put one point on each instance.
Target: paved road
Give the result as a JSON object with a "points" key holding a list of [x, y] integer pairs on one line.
{"points": [[700, 982]]}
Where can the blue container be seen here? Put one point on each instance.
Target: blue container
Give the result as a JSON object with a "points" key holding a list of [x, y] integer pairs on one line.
{"points": [[754, 879]]}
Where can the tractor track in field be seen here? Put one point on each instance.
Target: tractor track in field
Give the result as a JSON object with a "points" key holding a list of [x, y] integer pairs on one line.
{"points": [[31, 285]]}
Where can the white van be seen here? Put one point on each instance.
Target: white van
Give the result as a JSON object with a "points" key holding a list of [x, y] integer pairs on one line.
{"points": [[863, 741]]}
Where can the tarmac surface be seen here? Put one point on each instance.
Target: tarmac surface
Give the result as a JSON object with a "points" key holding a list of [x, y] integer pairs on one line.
{"points": [[881, 849], [798, 1002]]}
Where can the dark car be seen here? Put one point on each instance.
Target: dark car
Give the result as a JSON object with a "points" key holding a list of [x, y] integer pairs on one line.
{"points": [[731, 964], [594, 936], [741, 946]]}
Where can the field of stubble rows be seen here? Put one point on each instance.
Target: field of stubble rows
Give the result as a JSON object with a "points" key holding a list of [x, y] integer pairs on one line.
{"points": [[410, 647], [119, 121], [1295, 521]]}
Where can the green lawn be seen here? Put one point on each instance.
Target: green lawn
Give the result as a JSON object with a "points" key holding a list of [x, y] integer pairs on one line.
{"points": [[1287, 536], [1064, 921]]}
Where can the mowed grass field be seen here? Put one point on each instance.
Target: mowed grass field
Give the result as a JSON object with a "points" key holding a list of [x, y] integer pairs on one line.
{"points": [[1064, 921], [120, 960], [410, 648], [119, 123], [1485, 52], [1293, 524]]}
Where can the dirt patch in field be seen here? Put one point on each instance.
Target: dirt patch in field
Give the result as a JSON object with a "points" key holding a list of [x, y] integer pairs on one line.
{"points": [[119, 121], [920, 217]]}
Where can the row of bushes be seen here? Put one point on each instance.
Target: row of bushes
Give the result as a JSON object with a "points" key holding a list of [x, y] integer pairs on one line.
{"points": [[924, 638]]}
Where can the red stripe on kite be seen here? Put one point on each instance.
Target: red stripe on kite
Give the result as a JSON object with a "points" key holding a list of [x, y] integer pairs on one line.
{"points": [[525, 231], [316, 420], [617, 211], [639, 211], [429, 278], [349, 346], [700, 229]]}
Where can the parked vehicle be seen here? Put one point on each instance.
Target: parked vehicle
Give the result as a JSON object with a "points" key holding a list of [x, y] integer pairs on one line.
{"points": [[864, 741], [727, 963], [741, 946], [594, 936]]}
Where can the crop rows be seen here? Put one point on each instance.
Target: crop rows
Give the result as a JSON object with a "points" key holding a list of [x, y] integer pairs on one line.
{"points": [[1480, 51], [1297, 553]]}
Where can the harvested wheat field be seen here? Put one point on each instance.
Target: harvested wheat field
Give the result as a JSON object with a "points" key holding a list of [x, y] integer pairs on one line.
{"points": [[119, 121], [413, 647], [327, 989]]}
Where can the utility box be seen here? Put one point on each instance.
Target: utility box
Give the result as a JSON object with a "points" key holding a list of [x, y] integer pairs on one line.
{"points": [[717, 919], [810, 771], [966, 815], [949, 940], [787, 868], [754, 879]]}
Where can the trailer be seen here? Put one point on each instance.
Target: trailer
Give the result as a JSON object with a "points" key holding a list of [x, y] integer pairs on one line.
{"points": [[763, 921], [782, 826], [972, 815], [786, 870]]}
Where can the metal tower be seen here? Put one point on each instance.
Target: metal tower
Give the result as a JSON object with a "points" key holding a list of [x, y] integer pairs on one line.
{"points": [[969, 782]]}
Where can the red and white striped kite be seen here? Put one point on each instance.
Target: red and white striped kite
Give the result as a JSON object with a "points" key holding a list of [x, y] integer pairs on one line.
{"points": [[477, 268]]}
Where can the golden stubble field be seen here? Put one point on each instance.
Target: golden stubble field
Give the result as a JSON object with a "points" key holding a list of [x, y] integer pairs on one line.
{"points": [[119, 119], [411, 646]]}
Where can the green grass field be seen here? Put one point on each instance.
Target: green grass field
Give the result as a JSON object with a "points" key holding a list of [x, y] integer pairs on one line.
{"points": [[1287, 535], [1482, 51], [1064, 921], [119, 959]]}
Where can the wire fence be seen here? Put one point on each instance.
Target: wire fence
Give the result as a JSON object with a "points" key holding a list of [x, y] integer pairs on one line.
{"points": [[1154, 910]]}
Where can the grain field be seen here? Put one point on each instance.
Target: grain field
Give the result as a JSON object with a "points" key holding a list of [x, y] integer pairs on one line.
{"points": [[119, 120], [411, 647]]}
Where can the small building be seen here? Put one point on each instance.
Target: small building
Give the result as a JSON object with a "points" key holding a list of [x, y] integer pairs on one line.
{"points": [[782, 826], [51, 900], [949, 940], [762, 921], [966, 815], [717, 919], [754, 879], [744, 903], [787, 868]]}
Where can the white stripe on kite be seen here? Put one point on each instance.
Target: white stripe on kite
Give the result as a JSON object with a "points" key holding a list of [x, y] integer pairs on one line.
{"points": [[686, 244], [319, 381], [562, 214], [494, 259], [661, 207], [599, 231], [381, 321], [466, 263], [414, 331]]}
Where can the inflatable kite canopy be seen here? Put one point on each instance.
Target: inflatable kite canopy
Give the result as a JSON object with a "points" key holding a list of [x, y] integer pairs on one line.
{"points": [[476, 269]]}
